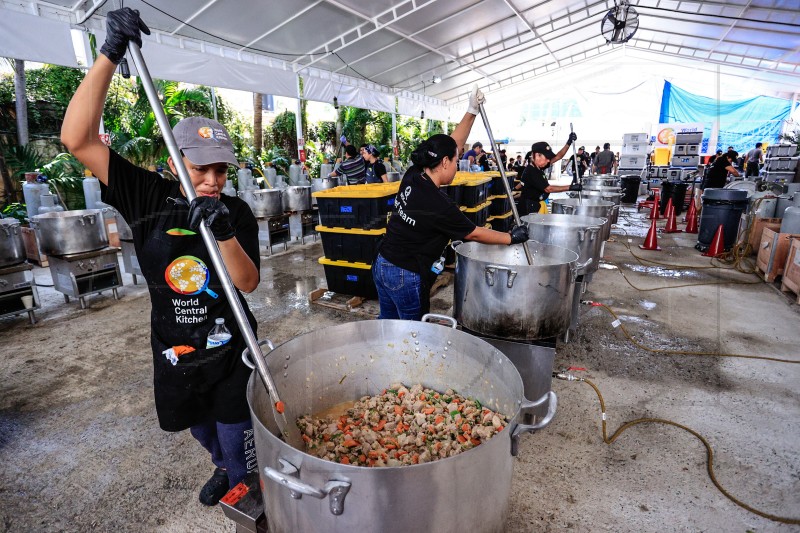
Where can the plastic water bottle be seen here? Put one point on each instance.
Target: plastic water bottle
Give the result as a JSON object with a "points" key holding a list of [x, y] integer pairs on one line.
{"points": [[219, 334], [438, 266]]}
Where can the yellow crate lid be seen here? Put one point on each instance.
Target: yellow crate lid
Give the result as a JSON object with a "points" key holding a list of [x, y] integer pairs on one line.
{"points": [[367, 190], [325, 261], [490, 174], [477, 208], [487, 226], [496, 217], [470, 180], [497, 197], [353, 231]]}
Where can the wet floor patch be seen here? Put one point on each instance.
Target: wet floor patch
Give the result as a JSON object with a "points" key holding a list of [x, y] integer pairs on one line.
{"points": [[647, 305], [663, 272]]}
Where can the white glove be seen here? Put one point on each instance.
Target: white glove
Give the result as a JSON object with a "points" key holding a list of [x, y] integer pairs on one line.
{"points": [[476, 98]]}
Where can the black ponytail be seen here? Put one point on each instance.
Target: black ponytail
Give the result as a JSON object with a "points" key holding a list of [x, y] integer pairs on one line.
{"points": [[430, 152]]}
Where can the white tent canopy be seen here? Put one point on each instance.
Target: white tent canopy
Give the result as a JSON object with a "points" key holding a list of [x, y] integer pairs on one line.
{"points": [[369, 52]]}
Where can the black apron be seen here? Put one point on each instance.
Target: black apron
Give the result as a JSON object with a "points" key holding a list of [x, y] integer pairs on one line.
{"points": [[187, 297]]}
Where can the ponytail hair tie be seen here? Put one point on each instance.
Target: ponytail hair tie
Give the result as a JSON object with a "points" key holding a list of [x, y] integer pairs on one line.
{"points": [[432, 154]]}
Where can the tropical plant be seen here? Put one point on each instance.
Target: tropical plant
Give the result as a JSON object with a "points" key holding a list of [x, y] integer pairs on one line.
{"points": [[65, 177], [16, 210], [21, 159]]}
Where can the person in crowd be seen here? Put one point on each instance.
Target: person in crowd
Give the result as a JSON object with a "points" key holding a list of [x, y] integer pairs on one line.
{"points": [[353, 168], [594, 156], [518, 164], [503, 158], [753, 160], [604, 161], [376, 170], [483, 161], [473, 155], [714, 158], [425, 219], [718, 174], [583, 163], [199, 379], [533, 184]]}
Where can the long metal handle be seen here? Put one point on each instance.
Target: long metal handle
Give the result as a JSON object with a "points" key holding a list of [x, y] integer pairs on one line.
{"points": [[336, 490], [208, 237], [496, 150], [577, 172]]}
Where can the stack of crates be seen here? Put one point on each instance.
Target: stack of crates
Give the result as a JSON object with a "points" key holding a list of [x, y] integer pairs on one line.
{"points": [[352, 222]]}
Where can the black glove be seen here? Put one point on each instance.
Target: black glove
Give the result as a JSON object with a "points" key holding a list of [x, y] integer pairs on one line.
{"points": [[576, 187], [214, 212], [122, 26], [519, 234], [572, 138]]}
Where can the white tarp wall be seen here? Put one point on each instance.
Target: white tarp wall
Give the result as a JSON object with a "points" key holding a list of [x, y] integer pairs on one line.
{"points": [[412, 105], [322, 86], [33, 38]]}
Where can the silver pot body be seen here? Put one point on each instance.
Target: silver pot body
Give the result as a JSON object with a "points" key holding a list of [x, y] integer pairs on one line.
{"points": [[12, 247], [579, 233], [498, 293], [267, 202], [601, 180], [70, 232], [297, 198], [321, 184], [392, 176], [342, 363], [613, 197], [590, 207]]}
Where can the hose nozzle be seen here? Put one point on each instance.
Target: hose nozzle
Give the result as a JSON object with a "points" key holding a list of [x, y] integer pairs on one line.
{"points": [[566, 376]]}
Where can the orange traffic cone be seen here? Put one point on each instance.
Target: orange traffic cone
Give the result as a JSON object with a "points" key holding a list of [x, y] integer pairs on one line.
{"points": [[717, 244], [672, 225], [691, 219], [651, 241], [654, 214]]}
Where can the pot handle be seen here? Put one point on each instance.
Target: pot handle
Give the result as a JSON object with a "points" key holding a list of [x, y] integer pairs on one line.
{"points": [[246, 353], [552, 404], [568, 209], [593, 232], [89, 218], [581, 266], [444, 318], [491, 270], [334, 489], [453, 244]]}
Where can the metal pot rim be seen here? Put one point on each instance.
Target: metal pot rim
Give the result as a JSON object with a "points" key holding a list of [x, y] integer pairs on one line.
{"points": [[463, 248], [560, 219], [69, 214]]}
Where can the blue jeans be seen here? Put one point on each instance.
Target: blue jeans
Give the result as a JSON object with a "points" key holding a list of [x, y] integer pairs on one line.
{"points": [[231, 446], [398, 290]]}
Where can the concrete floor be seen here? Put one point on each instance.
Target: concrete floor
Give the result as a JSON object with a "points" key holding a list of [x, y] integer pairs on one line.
{"points": [[81, 448]]}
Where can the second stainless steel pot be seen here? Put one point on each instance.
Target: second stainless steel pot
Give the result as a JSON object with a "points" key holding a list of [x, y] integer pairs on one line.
{"points": [[12, 247], [70, 232], [579, 233], [297, 198], [609, 194], [321, 184], [342, 363], [498, 293], [587, 206], [267, 202]]}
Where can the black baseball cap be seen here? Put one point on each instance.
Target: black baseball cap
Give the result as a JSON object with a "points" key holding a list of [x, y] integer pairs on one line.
{"points": [[542, 148]]}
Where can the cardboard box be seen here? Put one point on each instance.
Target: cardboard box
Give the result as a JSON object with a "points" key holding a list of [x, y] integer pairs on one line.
{"points": [[791, 271], [32, 251], [772, 253]]}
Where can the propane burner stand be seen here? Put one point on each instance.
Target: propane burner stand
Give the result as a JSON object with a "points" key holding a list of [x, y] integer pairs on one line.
{"points": [[81, 274], [129, 260], [15, 286], [534, 361], [271, 231], [302, 224]]}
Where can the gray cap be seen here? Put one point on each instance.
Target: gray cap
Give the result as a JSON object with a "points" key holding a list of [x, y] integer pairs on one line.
{"points": [[204, 141]]}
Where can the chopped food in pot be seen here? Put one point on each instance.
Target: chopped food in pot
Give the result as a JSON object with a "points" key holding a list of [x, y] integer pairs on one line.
{"points": [[401, 427]]}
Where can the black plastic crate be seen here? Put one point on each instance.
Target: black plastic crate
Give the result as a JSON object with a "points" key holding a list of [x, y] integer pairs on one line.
{"points": [[352, 245], [500, 205], [478, 215], [475, 192], [363, 212], [349, 278], [453, 191], [497, 184], [502, 222]]}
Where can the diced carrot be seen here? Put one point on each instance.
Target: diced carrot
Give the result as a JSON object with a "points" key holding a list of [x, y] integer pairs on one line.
{"points": [[474, 441], [371, 462], [401, 394], [429, 410], [373, 454], [306, 438], [462, 439], [280, 407], [390, 446], [380, 425], [400, 453], [438, 446], [362, 458], [465, 428], [438, 420], [392, 440], [384, 457], [422, 397], [499, 429], [326, 437], [398, 410], [436, 395], [415, 458], [350, 443], [345, 460]]}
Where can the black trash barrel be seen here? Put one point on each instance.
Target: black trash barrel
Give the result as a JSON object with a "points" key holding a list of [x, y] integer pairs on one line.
{"points": [[630, 189], [675, 190], [721, 206]]}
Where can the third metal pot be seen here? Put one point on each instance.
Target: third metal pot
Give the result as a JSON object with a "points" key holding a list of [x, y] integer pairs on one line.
{"points": [[70, 232], [12, 247], [267, 202], [498, 293], [601, 180], [579, 233], [587, 206]]}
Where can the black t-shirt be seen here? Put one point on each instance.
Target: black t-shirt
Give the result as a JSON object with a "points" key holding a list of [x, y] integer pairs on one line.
{"points": [[141, 197], [718, 174], [375, 172], [533, 183], [424, 221]]}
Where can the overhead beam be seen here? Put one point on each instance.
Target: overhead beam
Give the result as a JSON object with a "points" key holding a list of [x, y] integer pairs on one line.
{"points": [[192, 17], [282, 24], [532, 30]]}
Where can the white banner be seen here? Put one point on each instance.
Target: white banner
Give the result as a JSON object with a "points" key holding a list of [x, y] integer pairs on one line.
{"points": [[33, 38]]}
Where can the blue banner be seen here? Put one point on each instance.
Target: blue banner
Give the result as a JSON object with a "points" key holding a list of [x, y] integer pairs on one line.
{"points": [[742, 123]]}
